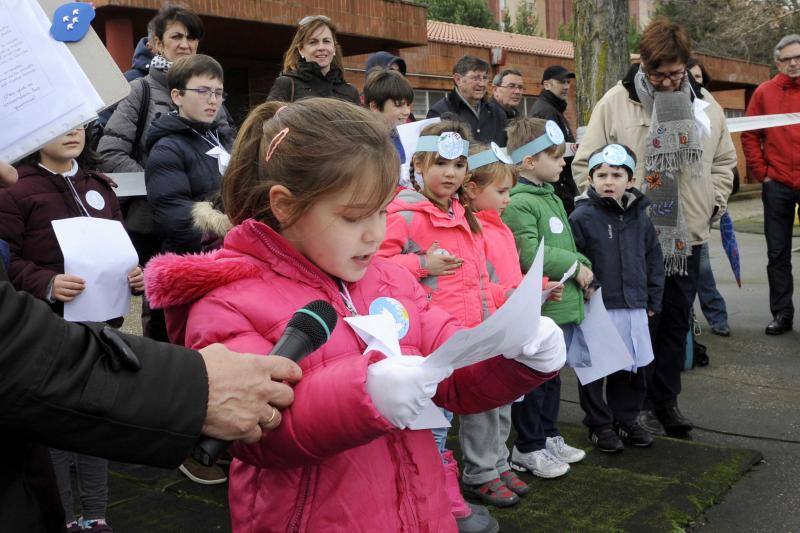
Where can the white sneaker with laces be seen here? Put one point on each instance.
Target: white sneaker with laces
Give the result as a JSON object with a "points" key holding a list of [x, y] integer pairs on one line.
{"points": [[564, 451], [540, 463]]}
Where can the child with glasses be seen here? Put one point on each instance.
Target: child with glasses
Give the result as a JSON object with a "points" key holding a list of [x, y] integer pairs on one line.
{"points": [[188, 151]]}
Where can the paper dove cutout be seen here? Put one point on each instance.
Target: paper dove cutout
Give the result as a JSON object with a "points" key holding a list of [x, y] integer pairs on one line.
{"points": [[72, 21]]}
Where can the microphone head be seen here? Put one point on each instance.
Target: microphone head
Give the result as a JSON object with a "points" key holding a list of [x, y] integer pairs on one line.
{"points": [[317, 320]]}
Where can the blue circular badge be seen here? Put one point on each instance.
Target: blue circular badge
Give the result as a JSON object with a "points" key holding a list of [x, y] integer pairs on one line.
{"points": [[390, 306]]}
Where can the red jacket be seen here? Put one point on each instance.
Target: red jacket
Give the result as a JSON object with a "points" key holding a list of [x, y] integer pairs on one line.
{"points": [[413, 225], [334, 463], [773, 152], [26, 210]]}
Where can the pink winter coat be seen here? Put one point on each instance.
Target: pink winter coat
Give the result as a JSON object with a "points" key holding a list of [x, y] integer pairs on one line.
{"points": [[334, 463], [413, 225], [502, 260]]}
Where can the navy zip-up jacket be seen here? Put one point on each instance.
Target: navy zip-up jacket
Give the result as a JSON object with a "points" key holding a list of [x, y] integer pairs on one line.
{"points": [[622, 245]]}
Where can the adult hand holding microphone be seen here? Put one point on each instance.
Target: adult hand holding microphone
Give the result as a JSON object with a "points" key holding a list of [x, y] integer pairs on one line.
{"points": [[245, 416]]}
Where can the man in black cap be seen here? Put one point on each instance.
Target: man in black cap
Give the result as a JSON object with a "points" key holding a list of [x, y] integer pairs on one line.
{"points": [[550, 105]]}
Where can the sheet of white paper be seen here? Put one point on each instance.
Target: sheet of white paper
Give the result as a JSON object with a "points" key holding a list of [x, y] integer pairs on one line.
{"points": [[606, 348], [568, 274], [409, 134], [505, 332], [700, 116], [760, 122], [380, 335], [43, 91], [129, 183], [99, 251]]}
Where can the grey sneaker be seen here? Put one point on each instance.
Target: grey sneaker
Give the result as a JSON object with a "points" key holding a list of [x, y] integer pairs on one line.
{"points": [[563, 451], [540, 463], [480, 521]]}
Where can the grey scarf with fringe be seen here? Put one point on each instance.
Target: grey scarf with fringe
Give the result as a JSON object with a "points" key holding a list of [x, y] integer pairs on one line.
{"points": [[673, 152]]}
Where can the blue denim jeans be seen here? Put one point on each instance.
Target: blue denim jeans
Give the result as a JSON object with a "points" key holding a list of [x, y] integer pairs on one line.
{"points": [[440, 434], [711, 301]]}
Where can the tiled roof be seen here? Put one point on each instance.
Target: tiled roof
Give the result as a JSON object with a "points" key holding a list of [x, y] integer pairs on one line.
{"points": [[445, 32]]}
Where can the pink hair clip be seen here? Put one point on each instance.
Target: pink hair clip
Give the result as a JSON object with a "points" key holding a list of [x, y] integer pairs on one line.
{"points": [[275, 142], [281, 108]]}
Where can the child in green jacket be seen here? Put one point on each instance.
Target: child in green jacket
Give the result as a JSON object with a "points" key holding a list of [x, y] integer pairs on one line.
{"points": [[536, 213]]}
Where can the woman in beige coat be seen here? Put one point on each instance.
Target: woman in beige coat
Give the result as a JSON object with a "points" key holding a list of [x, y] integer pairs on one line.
{"points": [[686, 154]]}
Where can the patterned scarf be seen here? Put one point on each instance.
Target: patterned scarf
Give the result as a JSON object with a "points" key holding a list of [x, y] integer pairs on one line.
{"points": [[673, 152], [161, 63]]}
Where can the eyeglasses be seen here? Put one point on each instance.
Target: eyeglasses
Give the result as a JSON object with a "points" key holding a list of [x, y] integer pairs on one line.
{"points": [[513, 87], [658, 77], [789, 59], [207, 92], [305, 21]]}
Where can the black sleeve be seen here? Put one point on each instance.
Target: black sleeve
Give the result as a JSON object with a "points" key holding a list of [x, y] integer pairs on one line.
{"points": [[58, 388], [169, 193], [281, 90]]}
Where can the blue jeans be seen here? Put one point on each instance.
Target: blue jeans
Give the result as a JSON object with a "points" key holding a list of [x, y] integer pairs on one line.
{"points": [[711, 301], [440, 434]]}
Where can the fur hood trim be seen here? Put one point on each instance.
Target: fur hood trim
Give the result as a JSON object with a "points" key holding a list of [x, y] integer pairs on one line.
{"points": [[209, 220], [173, 280]]}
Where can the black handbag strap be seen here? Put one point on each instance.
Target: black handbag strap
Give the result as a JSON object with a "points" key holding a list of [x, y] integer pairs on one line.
{"points": [[144, 107]]}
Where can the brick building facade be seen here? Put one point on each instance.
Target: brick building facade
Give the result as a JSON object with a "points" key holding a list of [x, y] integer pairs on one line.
{"points": [[249, 38]]}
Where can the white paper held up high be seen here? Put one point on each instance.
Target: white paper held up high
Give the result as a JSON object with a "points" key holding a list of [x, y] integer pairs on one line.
{"points": [[607, 350], [511, 327], [409, 135], [99, 251]]}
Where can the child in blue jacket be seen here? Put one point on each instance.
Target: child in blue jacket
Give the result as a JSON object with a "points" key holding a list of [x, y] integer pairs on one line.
{"points": [[613, 230]]}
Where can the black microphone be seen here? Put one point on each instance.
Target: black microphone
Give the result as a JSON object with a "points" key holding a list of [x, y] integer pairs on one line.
{"points": [[309, 328]]}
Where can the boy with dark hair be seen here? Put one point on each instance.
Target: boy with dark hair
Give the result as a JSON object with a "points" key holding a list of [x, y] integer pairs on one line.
{"points": [[188, 151], [389, 94]]}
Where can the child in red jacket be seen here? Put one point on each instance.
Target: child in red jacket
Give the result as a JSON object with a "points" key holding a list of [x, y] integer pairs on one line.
{"points": [[308, 228], [483, 436], [55, 183]]}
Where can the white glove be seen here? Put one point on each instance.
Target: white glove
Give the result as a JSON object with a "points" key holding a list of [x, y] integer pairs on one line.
{"points": [[547, 352], [400, 387]]}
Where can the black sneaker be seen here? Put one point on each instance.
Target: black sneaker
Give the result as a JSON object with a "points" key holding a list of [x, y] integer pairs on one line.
{"points": [[635, 434], [606, 440], [647, 419], [673, 420]]}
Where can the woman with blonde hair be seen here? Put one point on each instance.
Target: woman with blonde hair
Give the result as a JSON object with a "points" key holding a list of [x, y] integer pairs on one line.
{"points": [[312, 66]]}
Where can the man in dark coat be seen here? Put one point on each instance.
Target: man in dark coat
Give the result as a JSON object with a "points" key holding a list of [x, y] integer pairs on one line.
{"points": [[65, 385], [469, 103], [550, 105], [508, 88]]}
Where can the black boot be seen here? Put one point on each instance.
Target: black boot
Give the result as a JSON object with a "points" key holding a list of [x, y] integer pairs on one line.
{"points": [[781, 324], [647, 419], [673, 420]]}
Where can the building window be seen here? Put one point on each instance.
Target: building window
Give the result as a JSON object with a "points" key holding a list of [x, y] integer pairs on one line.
{"points": [[733, 113], [423, 100], [527, 104]]}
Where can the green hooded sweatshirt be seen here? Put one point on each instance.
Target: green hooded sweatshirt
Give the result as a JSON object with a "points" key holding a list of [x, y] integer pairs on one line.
{"points": [[536, 213]]}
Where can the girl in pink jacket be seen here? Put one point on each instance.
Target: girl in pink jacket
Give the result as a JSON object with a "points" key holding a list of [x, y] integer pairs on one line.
{"points": [[306, 190], [440, 242]]}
